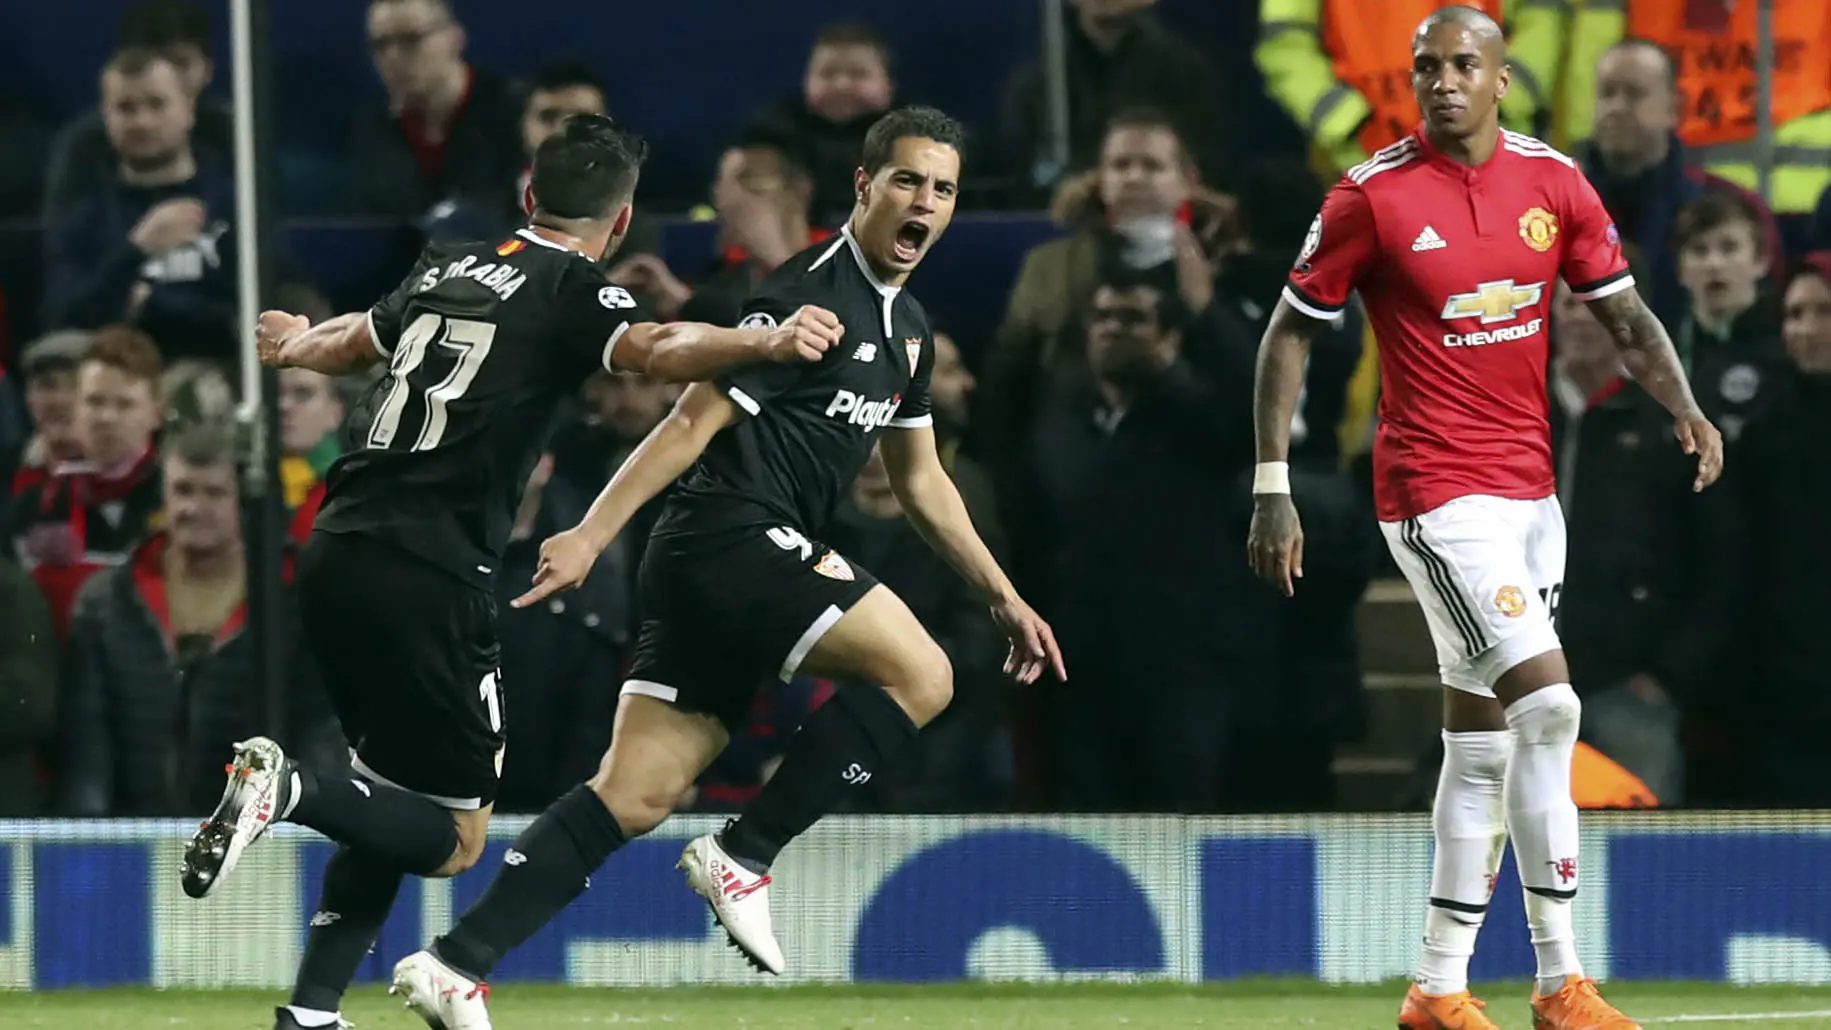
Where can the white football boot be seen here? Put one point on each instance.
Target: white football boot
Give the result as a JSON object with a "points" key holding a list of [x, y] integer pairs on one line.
{"points": [[259, 777], [739, 898], [444, 998]]}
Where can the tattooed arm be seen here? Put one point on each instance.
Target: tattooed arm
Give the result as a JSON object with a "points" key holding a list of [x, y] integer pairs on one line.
{"points": [[1647, 352], [1274, 545]]}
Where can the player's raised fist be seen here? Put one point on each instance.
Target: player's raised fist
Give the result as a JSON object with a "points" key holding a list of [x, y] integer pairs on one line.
{"points": [[565, 560], [272, 331], [1699, 437], [806, 336]]}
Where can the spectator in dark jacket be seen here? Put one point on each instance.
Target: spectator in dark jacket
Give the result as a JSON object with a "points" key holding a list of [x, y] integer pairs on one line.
{"points": [[28, 688], [1119, 57], [83, 156], [1729, 337], [1654, 582], [451, 131], [152, 246], [1139, 507], [561, 660], [74, 518], [1786, 484], [846, 88], [1640, 168], [161, 677]]}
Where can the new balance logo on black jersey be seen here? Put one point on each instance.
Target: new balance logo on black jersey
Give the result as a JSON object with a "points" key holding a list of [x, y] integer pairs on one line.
{"points": [[861, 412]]}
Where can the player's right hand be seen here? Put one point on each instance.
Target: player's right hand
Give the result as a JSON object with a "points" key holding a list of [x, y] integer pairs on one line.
{"points": [[272, 332], [806, 336], [565, 560], [1274, 545]]}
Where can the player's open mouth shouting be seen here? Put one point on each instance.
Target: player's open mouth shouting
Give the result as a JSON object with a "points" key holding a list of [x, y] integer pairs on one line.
{"points": [[909, 241]]}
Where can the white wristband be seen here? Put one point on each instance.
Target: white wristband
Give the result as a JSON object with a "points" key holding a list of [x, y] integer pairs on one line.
{"points": [[1272, 477]]}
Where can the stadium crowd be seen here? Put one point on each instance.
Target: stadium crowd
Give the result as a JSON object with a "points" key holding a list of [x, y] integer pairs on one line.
{"points": [[1100, 430]]}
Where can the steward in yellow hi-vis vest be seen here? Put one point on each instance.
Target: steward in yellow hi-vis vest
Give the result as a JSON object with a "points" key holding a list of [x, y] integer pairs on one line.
{"points": [[1712, 45], [1342, 68]]}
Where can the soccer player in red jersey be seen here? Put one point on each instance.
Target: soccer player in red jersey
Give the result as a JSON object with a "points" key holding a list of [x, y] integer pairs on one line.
{"points": [[1455, 237]]}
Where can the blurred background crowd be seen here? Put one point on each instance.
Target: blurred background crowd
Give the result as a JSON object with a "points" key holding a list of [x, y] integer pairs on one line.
{"points": [[1139, 178]]}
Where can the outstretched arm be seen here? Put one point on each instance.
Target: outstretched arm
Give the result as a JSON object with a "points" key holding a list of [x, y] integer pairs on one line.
{"points": [[334, 347], [1647, 351], [669, 450], [1274, 546], [933, 506], [683, 352]]}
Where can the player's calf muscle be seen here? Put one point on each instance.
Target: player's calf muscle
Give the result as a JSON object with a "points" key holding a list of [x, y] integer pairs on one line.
{"points": [[655, 754]]}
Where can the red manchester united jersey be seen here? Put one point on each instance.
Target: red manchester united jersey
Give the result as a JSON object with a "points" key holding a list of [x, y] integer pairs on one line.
{"points": [[1455, 266]]}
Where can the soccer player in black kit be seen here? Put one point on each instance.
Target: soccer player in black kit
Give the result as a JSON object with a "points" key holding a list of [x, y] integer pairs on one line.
{"points": [[737, 590], [484, 341]]}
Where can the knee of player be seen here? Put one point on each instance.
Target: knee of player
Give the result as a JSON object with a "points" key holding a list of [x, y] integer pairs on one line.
{"points": [[466, 854], [1548, 715], [928, 686], [638, 808]]}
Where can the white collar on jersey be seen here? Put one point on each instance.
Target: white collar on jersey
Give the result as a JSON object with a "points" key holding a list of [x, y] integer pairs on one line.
{"points": [[533, 237], [858, 255]]}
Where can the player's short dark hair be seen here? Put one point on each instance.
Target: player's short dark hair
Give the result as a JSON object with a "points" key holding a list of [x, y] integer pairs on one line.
{"points": [[206, 443], [565, 74], [1142, 117], [854, 33], [1173, 315], [907, 123], [588, 168], [159, 24], [1651, 47], [129, 351], [1713, 209]]}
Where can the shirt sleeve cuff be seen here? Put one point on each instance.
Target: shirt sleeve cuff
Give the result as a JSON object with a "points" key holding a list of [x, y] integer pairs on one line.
{"points": [[1310, 306], [742, 399], [375, 337], [913, 422], [1603, 287], [610, 347]]}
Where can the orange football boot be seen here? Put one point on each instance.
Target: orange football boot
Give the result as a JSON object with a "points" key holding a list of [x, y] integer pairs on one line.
{"points": [[1577, 1006], [1459, 1011]]}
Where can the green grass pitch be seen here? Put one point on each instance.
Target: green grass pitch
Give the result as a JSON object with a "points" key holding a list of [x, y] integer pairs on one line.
{"points": [[1006, 1007]]}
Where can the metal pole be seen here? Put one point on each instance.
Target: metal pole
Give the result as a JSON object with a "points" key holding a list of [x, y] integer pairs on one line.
{"points": [[1055, 90], [1764, 100], [258, 415]]}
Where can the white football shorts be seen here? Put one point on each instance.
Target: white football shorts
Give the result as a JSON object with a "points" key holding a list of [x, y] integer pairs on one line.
{"points": [[1487, 571]]}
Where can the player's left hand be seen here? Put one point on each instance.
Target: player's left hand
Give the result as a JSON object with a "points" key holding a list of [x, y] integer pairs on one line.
{"points": [[272, 332], [565, 560], [1697, 436], [1033, 646]]}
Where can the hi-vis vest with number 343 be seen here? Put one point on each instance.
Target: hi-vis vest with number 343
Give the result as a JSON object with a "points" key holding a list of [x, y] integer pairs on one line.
{"points": [[1712, 45]]}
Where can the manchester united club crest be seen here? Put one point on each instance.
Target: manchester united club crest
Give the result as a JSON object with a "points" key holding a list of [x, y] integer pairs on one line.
{"points": [[1511, 602], [832, 566], [1539, 228], [912, 346]]}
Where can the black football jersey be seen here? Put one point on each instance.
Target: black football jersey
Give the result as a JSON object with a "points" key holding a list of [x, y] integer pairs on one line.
{"points": [[485, 342], [811, 425]]}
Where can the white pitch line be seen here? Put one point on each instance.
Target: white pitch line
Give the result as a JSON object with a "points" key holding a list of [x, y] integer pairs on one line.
{"points": [[1741, 1017]]}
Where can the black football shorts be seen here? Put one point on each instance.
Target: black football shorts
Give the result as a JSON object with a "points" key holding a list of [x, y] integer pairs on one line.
{"points": [[411, 662], [726, 612]]}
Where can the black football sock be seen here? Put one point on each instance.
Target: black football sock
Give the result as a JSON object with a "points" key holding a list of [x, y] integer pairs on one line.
{"points": [[393, 826], [550, 864], [840, 747], [358, 893]]}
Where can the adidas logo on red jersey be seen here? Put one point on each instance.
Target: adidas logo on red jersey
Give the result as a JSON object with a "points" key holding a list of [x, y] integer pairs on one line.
{"points": [[1428, 240]]}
